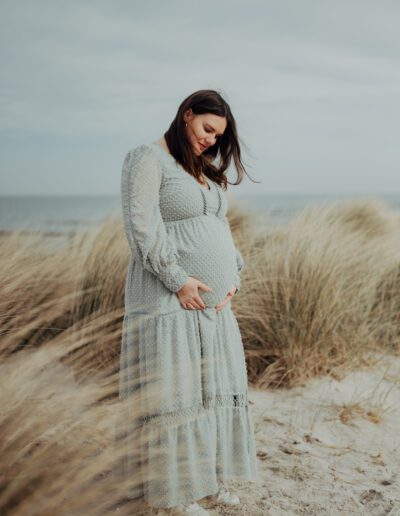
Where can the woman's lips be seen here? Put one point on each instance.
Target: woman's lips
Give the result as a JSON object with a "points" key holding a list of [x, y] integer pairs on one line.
{"points": [[202, 147]]}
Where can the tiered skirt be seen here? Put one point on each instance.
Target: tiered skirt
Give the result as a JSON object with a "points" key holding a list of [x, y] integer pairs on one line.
{"points": [[187, 415]]}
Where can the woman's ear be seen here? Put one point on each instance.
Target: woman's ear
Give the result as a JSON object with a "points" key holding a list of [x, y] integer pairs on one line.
{"points": [[188, 115]]}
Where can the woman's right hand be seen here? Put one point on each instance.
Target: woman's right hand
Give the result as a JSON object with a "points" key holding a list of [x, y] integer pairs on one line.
{"points": [[189, 296]]}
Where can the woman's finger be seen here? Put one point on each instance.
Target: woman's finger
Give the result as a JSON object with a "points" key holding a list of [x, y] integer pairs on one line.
{"points": [[189, 306], [218, 307], [196, 304], [224, 302], [200, 302]]}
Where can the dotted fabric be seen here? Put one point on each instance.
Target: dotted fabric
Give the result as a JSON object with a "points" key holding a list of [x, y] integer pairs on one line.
{"points": [[184, 370]]}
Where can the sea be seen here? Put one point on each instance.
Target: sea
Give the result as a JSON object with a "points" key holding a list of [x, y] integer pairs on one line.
{"points": [[62, 216]]}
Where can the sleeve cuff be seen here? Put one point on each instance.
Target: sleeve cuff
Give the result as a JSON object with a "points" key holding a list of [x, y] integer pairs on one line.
{"points": [[176, 281], [237, 282]]}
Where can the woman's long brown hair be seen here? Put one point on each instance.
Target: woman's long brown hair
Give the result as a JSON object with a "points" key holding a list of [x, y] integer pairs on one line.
{"points": [[226, 147]]}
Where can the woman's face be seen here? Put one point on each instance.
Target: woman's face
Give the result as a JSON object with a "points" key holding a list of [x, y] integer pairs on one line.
{"points": [[203, 130]]}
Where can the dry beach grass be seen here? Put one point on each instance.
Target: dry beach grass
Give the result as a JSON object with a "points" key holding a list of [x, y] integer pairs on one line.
{"points": [[319, 314]]}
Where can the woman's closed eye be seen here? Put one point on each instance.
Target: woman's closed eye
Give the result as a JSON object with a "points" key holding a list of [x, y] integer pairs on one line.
{"points": [[210, 131]]}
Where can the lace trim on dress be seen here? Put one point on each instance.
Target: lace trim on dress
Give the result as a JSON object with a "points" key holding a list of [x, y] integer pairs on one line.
{"points": [[219, 400]]}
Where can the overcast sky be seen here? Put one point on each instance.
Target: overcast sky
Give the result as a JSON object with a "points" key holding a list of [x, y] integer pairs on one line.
{"points": [[314, 87]]}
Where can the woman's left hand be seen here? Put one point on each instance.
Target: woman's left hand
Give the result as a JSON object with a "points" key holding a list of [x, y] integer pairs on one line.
{"points": [[229, 296]]}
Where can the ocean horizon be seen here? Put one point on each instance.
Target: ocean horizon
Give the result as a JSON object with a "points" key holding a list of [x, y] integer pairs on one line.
{"points": [[69, 213]]}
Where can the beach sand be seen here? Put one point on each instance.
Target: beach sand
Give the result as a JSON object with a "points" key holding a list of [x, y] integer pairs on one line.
{"points": [[331, 447]]}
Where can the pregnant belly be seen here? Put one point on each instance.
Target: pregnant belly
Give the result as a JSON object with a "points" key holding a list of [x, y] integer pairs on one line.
{"points": [[207, 252]]}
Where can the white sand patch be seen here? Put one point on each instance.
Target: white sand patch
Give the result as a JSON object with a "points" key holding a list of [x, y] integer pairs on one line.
{"points": [[331, 447]]}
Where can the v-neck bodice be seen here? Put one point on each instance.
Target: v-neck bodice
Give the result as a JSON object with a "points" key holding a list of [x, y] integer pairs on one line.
{"points": [[181, 195]]}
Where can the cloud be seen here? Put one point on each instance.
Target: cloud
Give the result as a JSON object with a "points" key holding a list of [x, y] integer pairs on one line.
{"points": [[313, 78]]}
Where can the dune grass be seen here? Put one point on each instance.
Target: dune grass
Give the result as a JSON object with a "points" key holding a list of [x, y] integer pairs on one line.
{"points": [[317, 296], [321, 293]]}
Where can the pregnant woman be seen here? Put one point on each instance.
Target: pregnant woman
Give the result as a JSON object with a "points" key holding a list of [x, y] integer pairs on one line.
{"points": [[181, 352]]}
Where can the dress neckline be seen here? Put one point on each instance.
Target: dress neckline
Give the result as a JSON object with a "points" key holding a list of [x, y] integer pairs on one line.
{"points": [[163, 151]]}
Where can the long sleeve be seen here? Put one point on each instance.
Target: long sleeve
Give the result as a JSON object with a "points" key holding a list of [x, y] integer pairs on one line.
{"points": [[240, 266], [239, 259], [143, 223]]}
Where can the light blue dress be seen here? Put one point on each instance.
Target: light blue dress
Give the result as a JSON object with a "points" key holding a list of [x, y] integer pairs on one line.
{"points": [[186, 367]]}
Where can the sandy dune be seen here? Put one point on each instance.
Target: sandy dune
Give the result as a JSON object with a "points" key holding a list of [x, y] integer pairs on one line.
{"points": [[331, 447]]}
